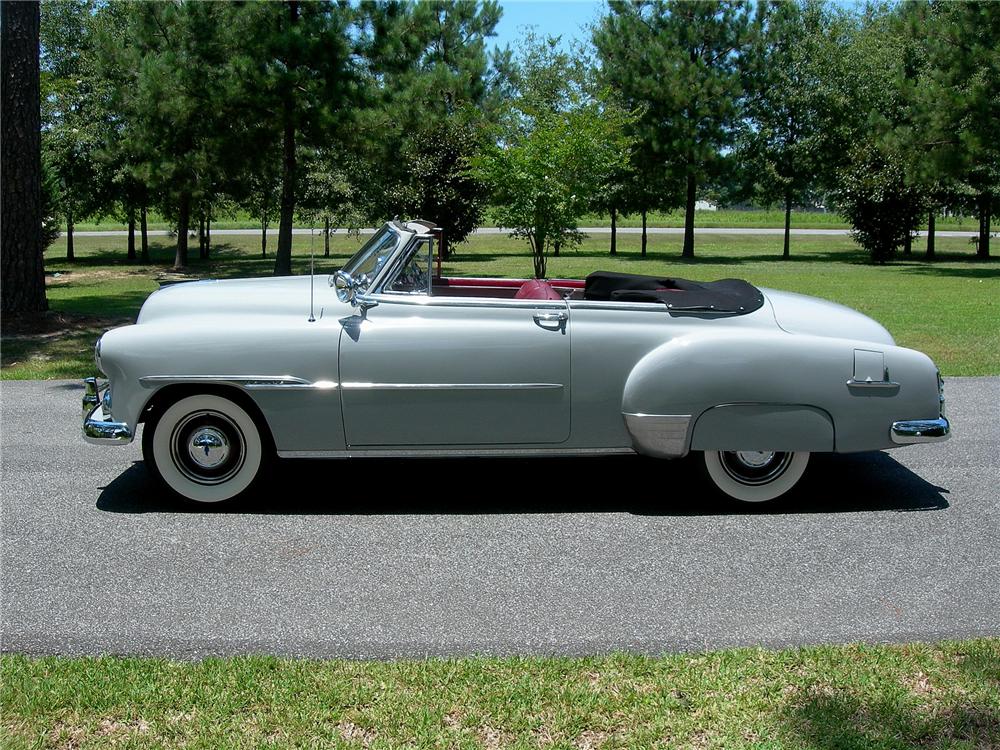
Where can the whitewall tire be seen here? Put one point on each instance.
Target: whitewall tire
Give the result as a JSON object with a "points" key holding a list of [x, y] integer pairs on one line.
{"points": [[204, 448], [755, 476]]}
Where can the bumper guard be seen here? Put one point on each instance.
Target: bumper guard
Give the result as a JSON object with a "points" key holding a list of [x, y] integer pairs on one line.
{"points": [[97, 425]]}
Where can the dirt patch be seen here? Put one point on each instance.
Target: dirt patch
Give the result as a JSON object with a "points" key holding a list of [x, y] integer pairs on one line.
{"points": [[54, 324]]}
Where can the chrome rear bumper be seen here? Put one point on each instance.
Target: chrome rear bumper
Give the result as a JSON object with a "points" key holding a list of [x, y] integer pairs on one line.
{"points": [[97, 425], [921, 431]]}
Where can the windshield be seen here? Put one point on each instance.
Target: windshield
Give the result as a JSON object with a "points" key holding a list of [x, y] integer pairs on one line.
{"points": [[368, 261]]}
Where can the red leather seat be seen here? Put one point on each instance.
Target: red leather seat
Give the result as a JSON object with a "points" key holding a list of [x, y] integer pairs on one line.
{"points": [[537, 289]]}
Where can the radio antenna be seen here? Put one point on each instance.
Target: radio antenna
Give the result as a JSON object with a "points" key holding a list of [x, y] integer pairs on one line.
{"points": [[312, 274]]}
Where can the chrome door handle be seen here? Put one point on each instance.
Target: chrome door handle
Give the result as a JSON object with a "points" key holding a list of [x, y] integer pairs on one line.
{"points": [[555, 317], [552, 321]]}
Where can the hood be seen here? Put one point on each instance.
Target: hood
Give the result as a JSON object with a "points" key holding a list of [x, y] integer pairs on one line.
{"points": [[265, 296], [799, 313]]}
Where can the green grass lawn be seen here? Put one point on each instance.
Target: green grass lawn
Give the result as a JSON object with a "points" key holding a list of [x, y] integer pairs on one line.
{"points": [[948, 308], [758, 218], [844, 697]]}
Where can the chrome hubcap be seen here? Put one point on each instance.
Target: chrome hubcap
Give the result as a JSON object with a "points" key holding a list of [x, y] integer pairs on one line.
{"points": [[755, 459], [755, 467], [208, 447]]}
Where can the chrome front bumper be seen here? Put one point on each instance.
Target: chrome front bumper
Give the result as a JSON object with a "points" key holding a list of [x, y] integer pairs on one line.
{"points": [[97, 425]]}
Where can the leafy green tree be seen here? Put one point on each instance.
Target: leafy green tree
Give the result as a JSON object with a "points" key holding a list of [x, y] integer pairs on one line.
{"points": [[556, 147], [875, 184], [173, 91], [882, 205], [71, 121], [297, 77], [787, 103], [960, 104], [680, 62], [435, 92]]}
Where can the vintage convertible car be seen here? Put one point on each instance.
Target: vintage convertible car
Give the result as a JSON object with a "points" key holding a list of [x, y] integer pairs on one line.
{"points": [[392, 359]]}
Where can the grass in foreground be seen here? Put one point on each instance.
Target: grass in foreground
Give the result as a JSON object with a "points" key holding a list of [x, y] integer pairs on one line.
{"points": [[948, 308], [845, 697]]}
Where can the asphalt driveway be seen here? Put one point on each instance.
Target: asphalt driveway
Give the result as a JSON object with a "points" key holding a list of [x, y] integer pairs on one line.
{"points": [[356, 559]]}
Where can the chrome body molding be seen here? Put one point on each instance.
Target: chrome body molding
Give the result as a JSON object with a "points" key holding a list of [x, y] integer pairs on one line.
{"points": [[921, 431], [449, 386], [659, 435], [99, 427], [250, 382], [456, 452], [425, 301]]}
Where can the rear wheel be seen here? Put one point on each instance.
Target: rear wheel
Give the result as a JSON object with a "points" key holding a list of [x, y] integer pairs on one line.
{"points": [[205, 448], [755, 476]]}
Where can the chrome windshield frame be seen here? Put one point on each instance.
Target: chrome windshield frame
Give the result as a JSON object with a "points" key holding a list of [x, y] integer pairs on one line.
{"points": [[403, 237]]}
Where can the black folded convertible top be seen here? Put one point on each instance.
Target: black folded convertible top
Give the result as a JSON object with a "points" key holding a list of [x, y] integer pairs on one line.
{"points": [[728, 296]]}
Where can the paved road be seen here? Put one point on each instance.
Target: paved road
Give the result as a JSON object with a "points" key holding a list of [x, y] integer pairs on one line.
{"points": [[586, 230], [345, 561]]}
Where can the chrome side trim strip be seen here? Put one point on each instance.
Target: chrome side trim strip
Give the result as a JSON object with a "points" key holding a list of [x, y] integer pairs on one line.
{"points": [[432, 301], [250, 382], [659, 435], [457, 452], [449, 386], [920, 431]]}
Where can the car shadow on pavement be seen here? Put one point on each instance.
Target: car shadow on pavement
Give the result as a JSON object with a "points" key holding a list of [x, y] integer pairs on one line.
{"points": [[614, 484]]}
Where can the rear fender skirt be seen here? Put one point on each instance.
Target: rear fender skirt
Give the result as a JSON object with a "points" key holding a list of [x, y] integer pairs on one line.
{"points": [[764, 427]]}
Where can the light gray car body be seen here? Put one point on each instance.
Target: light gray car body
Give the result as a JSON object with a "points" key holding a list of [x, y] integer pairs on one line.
{"points": [[413, 374]]}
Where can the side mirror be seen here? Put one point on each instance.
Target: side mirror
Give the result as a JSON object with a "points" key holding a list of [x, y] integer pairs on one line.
{"points": [[345, 285]]}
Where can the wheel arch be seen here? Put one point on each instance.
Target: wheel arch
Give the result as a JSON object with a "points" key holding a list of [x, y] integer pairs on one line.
{"points": [[169, 394]]}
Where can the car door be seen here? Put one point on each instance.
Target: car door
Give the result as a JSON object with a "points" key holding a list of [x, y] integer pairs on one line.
{"points": [[426, 371]]}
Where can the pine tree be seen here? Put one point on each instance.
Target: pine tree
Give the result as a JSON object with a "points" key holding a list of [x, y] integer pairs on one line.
{"points": [[680, 61], [22, 275]]}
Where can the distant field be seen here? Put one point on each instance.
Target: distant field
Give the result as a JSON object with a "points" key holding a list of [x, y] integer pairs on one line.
{"points": [[722, 218], [821, 698], [948, 308]]}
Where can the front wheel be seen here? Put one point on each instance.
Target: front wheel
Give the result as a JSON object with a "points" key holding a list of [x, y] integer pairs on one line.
{"points": [[755, 476], [204, 448]]}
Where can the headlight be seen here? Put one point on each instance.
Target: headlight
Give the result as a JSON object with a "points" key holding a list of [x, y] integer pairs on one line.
{"points": [[97, 356]]}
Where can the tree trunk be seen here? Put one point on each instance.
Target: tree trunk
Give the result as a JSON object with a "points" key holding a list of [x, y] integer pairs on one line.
{"points": [[144, 235], [985, 206], [70, 255], [643, 232], [326, 236], [201, 236], [183, 224], [688, 251], [208, 236], [930, 235], [555, 248], [786, 250], [908, 243], [283, 258], [263, 238], [22, 274], [131, 234], [538, 254], [614, 231]]}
